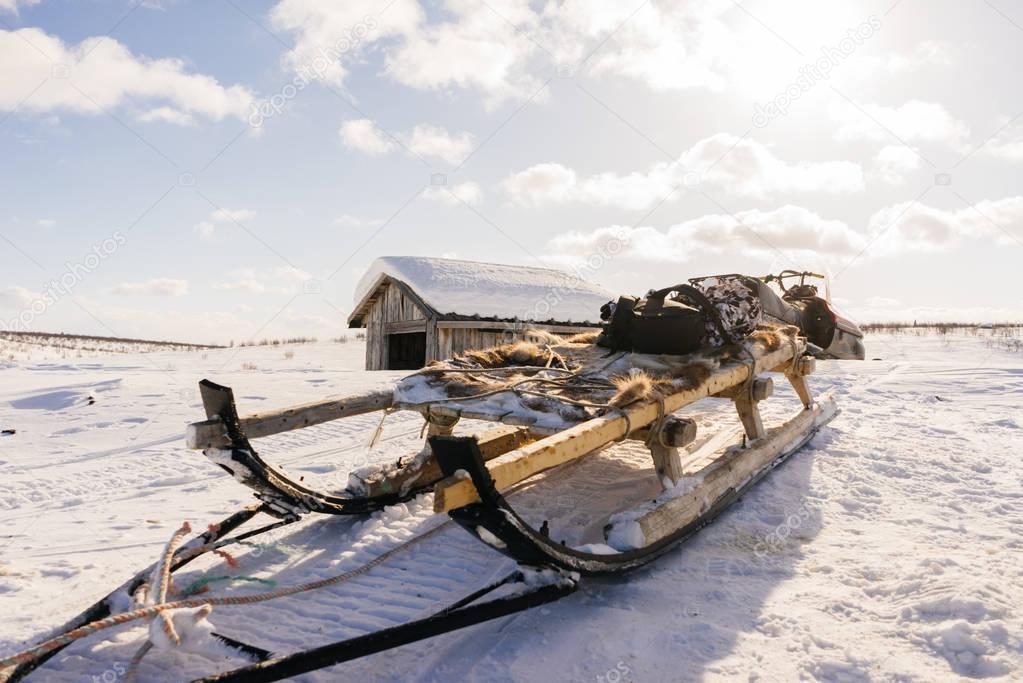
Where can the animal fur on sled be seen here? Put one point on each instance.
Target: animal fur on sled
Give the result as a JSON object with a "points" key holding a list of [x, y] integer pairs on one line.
{"points": [[631, 377], [652, 382], [643, 385], [516, 354], [523, 353]]}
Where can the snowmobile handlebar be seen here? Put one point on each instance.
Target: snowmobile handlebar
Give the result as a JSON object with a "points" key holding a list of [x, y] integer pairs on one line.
{"points": [[786, 274]]}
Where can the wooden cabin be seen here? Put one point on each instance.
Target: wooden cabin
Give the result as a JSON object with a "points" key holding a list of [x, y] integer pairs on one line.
{"points": [[417, 309]]}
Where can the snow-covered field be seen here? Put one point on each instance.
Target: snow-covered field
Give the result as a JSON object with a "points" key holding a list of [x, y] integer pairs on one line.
{"points": [[891, 549]]}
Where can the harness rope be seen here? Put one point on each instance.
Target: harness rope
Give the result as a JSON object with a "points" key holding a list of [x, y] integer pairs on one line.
{"points": [[151, 611]]}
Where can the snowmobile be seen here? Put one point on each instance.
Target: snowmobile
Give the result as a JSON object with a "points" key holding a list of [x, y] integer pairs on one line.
{"points": [[830, 334], [557, 406]]}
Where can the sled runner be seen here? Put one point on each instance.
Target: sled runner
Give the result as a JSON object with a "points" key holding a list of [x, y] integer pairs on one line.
{"points": [[550, 405]]}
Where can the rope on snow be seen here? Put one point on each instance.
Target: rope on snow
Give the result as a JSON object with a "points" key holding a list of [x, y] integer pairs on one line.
{"points": [[165, 609]]}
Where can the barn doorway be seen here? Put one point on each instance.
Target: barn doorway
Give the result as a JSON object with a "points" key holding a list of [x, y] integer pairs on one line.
{"points": [[406, 351]]}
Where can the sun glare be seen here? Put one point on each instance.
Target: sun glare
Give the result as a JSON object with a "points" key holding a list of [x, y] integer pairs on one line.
{"points": [[786, 43]]}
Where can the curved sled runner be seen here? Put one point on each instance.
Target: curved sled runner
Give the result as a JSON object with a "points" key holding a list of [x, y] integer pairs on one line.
{"points": [[224, 439], [667, 522]]}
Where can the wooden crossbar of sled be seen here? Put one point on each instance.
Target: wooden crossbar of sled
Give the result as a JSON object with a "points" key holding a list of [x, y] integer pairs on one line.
{"points": [[224, 438]]}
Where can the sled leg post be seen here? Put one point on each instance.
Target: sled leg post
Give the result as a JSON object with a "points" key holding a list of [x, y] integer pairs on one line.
{"points": [[668, 463], [749, 412], [672, 433], [749, 415], [797, 378]]}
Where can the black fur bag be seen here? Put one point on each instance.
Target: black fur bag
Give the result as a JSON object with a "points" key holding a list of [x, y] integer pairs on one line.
{"points": [[686, 322]]}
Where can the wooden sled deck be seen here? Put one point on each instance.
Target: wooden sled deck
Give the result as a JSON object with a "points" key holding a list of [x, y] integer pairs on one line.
{"points": [[553, 405]]}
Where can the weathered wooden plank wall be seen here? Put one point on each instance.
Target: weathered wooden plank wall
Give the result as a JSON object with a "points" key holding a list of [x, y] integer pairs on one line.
{"points": [[390, 306], [452, 341]]}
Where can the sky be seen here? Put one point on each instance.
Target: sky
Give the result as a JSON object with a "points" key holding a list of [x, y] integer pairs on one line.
{"points": [[219, 170]]}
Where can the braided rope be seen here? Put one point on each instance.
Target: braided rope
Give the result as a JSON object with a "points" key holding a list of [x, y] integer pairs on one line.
{"points": [[163, 572], [153, 610], [794, 365], [628, 423], [656, 428]]}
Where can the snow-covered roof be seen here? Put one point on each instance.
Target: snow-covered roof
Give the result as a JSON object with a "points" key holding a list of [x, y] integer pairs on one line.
{"points": [[486, 290]]}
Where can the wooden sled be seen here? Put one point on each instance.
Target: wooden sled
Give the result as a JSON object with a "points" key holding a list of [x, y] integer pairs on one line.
{"points": [[471, 477], [468, 475]]}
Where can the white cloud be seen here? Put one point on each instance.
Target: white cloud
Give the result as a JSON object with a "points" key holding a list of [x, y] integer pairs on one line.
{"points": [[245, 285], [431, 141], [554, 183], [917, 227], [1007, 144], [748, 168], [913, 121], [167, 115], [507, 49], [801, 234], [423, 140], [12, 5], [742, 167], [155, 287], [925, 54], [223, 215], [46, 222], [290, 274], [486, 47], [893, 163], [207, 228], [667, 46], [792, 230], [545, 183], [109, 75], [1009, 150], [329, 36], [18, 297], [277, 280], [350, 221], [504, 49], [364, 136], [467, 192]]}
